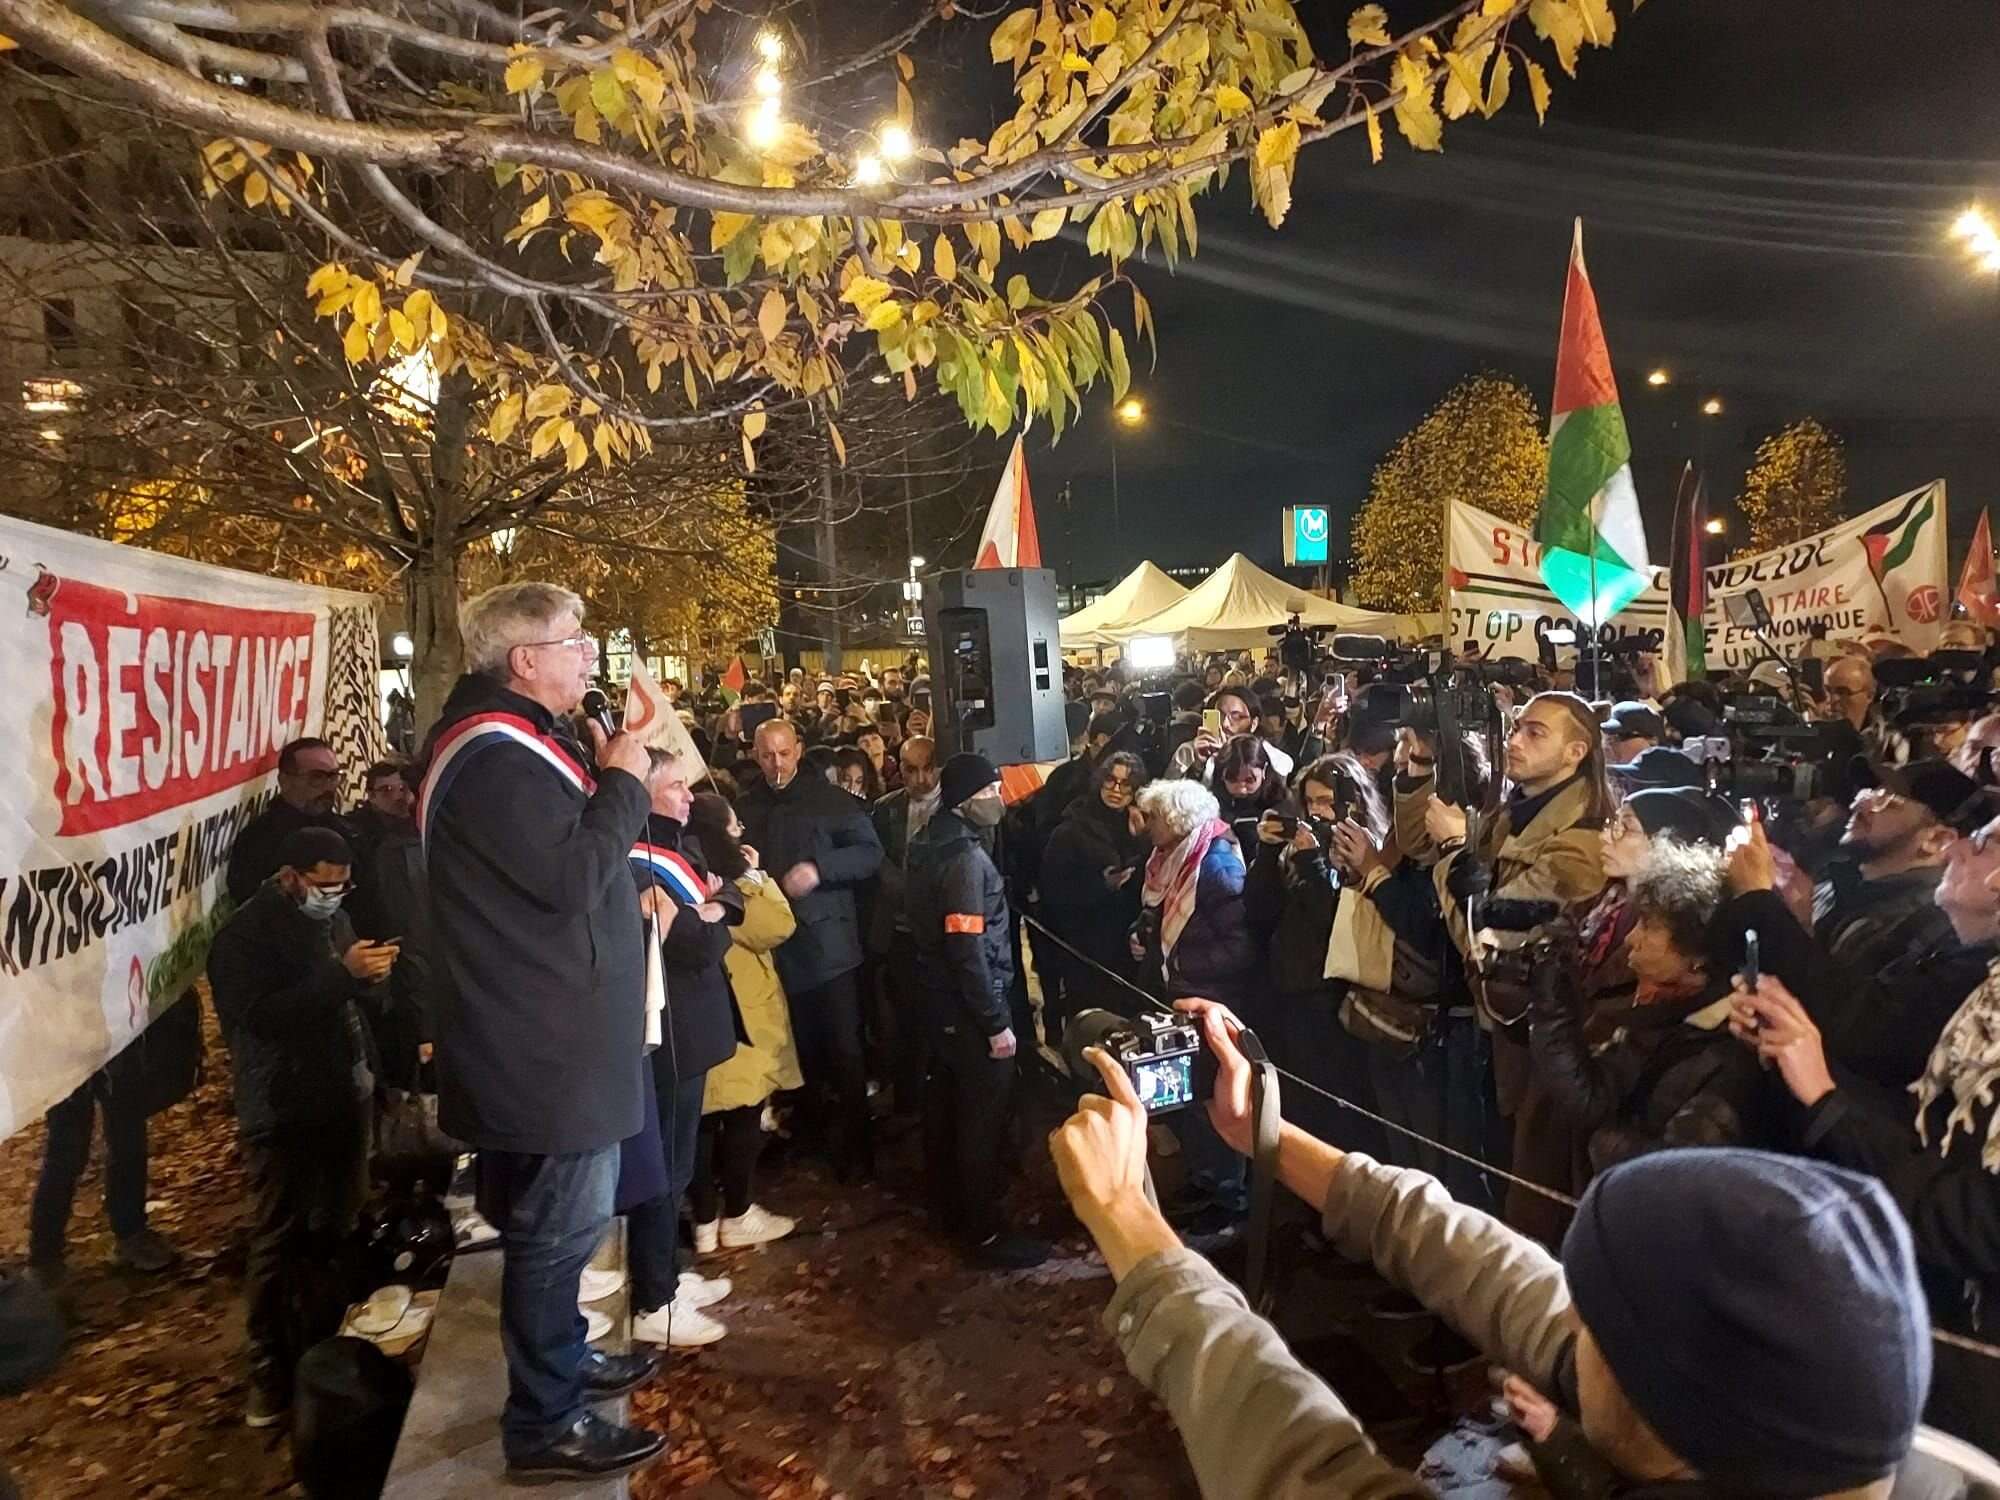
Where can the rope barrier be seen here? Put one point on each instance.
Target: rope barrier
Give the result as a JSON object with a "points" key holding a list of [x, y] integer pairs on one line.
{"points": [[1952, 1340]]}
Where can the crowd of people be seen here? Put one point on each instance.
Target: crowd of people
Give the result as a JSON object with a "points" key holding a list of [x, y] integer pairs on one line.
{"points": [[1732, 1020]]}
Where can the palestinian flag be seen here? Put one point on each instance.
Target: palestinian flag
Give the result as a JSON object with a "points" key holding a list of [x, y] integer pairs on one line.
{"points": [[1593, 542], [1890, 543], [1976, 584], [1687, 636], [734, 679]]}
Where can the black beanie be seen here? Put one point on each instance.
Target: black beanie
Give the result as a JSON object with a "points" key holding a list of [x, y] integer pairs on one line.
{"points": [[1762, 1313], [963, 775], [1693, 817]]}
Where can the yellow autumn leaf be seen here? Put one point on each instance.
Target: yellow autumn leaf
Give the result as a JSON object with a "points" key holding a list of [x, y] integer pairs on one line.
{"points": [[839, 443], [326, 279], [1231, 101], [1496, 7], [1374, 136], [754, 423], [367, 303], [1560, 24], [406, 272], [724, 227], [749, 457], [422, 311], [864, 292], [1498, 82], [576, 452], [771, 313], [1012, 36], [1369, 27], [1271, 170], [403, 329], [1103, 27], [1047, 224], [600, 441], [354, 343], [1417, 118], [8, 44], [1538, 90], [944, 258], [883, 315], [506, 417], [535, 214], [524, 74], [256, 188], [546, 400], [546, 437], [1599, 25]]}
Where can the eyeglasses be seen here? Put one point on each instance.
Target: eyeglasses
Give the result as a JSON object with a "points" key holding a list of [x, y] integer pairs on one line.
{"points": [[321, 778], [1117, 783], [345, 888], [573, 642]]}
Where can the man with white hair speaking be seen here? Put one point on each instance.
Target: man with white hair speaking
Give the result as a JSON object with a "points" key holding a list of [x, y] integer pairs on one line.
{"points": [[541, 999]]}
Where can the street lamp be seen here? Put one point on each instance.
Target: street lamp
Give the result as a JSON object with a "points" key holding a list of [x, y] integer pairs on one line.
{"points": [[1712, 407], [1716, 526], [1658, 378], [1976, 230], [913, 598], [1129, 413]]}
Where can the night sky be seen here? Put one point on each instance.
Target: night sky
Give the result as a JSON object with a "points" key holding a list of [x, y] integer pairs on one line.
{"points": [[1765, 190]]}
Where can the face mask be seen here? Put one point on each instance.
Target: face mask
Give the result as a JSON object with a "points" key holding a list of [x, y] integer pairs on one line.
{"points": [[982, 811], [319, 905]]}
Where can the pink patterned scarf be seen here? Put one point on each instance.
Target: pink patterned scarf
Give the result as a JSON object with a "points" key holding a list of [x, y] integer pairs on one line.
{"points": [[1172, 876]]}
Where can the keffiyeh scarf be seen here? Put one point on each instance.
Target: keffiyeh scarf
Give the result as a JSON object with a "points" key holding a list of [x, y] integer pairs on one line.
{"points": [[1965, 1064], [1172, 876]]}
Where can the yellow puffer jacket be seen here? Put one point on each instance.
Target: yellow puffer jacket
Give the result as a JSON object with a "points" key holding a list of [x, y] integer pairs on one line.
{"points": [[770, 1062]]}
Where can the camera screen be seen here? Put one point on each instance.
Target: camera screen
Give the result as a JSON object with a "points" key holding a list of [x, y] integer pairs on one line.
{"points": [[1164, 1083]]}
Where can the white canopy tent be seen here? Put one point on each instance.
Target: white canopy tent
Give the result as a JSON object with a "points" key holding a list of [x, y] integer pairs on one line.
{"points": [[1143, 591], [1235, 607]]}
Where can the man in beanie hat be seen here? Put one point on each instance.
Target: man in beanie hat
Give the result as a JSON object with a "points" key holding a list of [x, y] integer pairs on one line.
{"points": [[1723, 1322], [962, 928]]}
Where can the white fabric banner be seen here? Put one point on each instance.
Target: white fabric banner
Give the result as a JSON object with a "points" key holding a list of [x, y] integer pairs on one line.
{"points": [[649, 715], [1883, 570], [152, 696], [1495, 597]]}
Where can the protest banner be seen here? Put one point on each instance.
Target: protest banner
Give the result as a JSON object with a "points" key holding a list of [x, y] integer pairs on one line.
{"points": [[1495, 597], [152, 696], [1883, 570], [649, 715]]}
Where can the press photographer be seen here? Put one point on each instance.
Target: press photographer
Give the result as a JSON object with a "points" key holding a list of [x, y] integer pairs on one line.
{"points": [[1722, 1322]]}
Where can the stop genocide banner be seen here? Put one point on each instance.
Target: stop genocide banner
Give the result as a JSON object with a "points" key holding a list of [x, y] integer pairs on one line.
{"points": [[1883, 570], [151, 697]]}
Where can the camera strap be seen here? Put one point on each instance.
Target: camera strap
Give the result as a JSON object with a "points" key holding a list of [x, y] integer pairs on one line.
{"points": [[1265, 1119]]}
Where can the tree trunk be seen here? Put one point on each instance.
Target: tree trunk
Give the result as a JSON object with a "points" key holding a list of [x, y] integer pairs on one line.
{"points": [[827, 558], [440, 649]]}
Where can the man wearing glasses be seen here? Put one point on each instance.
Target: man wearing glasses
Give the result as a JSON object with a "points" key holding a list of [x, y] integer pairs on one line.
{"points": [[540, 999], [308, 791]]}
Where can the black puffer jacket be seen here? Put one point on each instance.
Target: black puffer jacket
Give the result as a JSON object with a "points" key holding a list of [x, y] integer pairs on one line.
{"points": [[540, 976], [288, 1011], [811, 819], [703, 1024], [957, 902], [1290, 902], [253, 858]]}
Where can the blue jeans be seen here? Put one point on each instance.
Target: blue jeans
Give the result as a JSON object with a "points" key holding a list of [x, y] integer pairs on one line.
{"points": [[653, 1228], [551, 1212]]}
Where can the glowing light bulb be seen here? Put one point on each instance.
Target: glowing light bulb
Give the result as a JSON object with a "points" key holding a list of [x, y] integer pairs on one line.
{"points": [[770, 46], [1658, 377], [869, 171], [1969, 224], [768, 84], [896, 142], [1716, 527], [1712, 407]]}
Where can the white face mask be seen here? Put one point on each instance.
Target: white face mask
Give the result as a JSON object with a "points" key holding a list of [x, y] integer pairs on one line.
{"points": [[318, 904], [983, 809]]}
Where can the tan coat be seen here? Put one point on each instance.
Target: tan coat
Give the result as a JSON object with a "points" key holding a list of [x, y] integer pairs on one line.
{"points": [[770, 1062]]}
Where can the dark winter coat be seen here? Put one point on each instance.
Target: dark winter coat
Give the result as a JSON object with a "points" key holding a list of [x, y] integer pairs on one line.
{"points": [[540, 983], [1880, 1024], [253, 858], [811, 819], [957, 905], [1864, 923], [1218, 956], [1669, 1073], [1076, 903], [702, 1025], [1290, 902], [288, 1009]]}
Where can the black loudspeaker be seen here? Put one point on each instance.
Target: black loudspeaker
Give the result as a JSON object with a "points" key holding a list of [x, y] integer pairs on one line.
{"points": [[996, 664]]}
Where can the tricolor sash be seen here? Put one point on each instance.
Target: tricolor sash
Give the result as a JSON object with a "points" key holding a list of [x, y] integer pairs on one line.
{"points": [[670, 868], [465, 739]]}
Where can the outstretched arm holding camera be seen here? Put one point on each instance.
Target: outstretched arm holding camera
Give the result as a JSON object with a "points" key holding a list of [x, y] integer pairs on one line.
{"points": [[1255, 1421]]}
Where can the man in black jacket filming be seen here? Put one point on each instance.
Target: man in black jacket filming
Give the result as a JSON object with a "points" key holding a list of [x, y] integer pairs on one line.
{"points": [[540, 999], [957, 902]]}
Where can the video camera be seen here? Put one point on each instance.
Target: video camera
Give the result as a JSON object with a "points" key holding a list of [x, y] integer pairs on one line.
{"points": [[1923, 693], [1769, 754], [1298, 644], [1162, 1055]]}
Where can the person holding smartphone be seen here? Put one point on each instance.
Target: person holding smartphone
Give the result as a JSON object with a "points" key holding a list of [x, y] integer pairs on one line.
{"points": [[1229, 712]]}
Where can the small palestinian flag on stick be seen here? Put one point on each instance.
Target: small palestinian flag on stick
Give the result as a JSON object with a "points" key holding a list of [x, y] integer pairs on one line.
{"points": [[734, 680], [1976, 584]]}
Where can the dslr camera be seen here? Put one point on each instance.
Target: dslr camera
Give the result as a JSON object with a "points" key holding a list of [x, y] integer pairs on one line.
{"points": [[1161, 1054]]}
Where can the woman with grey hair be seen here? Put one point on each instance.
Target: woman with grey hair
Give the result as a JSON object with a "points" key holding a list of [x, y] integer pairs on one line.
{"points": [[1194, 940]]}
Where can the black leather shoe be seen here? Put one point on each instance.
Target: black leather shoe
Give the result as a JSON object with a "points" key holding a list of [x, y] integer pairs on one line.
{"points": [[607, 1375], [593, 1448]]}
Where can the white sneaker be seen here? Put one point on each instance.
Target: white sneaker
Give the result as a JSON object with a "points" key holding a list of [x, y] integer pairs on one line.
{"points": [[678, 1326], [704, 1238], [697, 1290], [754, 1226], [470, 1231], [599, 1282]]}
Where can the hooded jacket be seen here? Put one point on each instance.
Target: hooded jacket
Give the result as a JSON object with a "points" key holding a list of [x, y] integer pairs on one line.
{"points": [[957, 902], [809, 819], [540, 995]]}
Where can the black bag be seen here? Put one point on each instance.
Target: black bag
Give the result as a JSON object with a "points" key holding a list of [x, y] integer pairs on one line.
{"points": [[347, 1412], [408, 1137], [32, 1333], [164, 1061]]}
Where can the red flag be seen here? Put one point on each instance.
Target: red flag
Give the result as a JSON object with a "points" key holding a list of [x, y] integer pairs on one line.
{"points": [[1976, 590], [1009, 538], [734, 679]]}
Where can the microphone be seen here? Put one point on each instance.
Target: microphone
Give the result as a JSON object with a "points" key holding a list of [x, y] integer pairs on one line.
{"points": [[597, 709]]}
